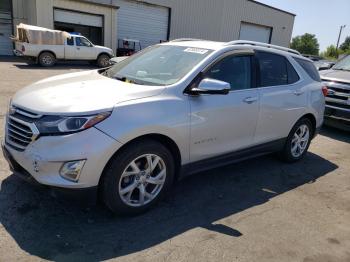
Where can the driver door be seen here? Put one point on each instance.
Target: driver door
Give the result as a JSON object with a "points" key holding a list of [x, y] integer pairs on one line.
{"points": [[222, 124]]}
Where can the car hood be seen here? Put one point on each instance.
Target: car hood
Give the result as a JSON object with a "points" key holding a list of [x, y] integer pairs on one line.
{"points": [[79, 93], [103, 47], [335, 75]]}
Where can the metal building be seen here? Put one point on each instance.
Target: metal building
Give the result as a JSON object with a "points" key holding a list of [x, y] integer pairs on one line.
{"points": [[150, 21]]}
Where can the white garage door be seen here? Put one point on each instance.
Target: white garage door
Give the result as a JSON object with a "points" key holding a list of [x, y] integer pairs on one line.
{"points": [[253, 32], [77, 18], [143, 22], [5, 32]]}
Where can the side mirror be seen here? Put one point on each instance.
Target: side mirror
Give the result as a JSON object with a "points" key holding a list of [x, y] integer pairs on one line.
{"points": [[211, 87]]}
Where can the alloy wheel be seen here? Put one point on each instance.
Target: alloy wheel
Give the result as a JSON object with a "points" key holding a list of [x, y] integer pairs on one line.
{"points": [[142, 180], [300, 140]]}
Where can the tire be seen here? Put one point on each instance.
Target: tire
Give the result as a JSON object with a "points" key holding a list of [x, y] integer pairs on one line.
{"points": [[103, 60], [47, 59], [291, 151], [122, 175]]}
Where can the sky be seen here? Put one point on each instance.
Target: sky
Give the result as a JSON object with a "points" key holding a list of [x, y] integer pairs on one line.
{"points": [[322, 18]]}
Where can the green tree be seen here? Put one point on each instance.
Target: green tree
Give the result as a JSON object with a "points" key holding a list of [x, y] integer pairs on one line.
{"points": [[346, 45], [330, 53], [306, 44]]}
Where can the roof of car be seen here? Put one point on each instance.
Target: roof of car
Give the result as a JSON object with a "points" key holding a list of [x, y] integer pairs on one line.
{"points": [[197, 44], [241, 44]]}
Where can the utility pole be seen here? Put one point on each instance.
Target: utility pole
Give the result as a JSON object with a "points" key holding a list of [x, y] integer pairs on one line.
{"points": [[341, 29]]}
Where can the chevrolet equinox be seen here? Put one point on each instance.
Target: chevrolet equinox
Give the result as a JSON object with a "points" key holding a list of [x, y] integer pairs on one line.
{"points": [[172, 109]]}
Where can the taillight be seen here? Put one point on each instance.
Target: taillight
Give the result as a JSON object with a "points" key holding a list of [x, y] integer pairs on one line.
{"points": [[23, 48], [324, 90]]}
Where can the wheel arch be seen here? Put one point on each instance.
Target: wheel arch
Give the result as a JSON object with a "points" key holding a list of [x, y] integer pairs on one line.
{"points": [[47, 51], [312, 119], [163, 139], [103, 53]]}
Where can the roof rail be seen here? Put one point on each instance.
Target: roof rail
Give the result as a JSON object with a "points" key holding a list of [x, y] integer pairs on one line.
{"points": [[244, 42], [185, 39]]}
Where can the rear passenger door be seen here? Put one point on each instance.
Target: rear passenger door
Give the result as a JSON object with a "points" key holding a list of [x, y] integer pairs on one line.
{"points": [[282, 98]]}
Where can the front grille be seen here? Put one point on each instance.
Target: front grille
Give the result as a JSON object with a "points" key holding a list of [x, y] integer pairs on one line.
{"points": [[20, 130], [338, 94], [337, 105], [341, 90]]}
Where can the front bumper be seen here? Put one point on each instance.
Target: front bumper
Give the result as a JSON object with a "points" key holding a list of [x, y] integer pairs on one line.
{"points": [[86, 195], [42, 160]]}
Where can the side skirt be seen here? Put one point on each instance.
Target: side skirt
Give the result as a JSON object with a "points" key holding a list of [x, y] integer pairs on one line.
{"points": [[232, 157]]}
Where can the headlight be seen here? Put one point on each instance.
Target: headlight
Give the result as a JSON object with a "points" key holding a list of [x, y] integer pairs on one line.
{"points": [[63, 124]]}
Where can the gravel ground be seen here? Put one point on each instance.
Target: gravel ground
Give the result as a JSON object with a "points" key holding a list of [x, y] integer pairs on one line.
{"points": [[257, 210]]}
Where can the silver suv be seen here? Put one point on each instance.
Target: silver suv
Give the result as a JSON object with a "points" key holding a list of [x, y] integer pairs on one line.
{"points": [[172, 109]]}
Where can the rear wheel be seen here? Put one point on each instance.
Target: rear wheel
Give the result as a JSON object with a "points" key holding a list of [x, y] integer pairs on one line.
{"points": [[298, 141], [138, 177], [47, 59], [103, 60]]}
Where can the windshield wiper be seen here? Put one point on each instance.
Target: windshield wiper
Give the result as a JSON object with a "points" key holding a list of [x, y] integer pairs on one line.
{"points": [[104, 72], [341, 69], [123, 79], [128, 80]]}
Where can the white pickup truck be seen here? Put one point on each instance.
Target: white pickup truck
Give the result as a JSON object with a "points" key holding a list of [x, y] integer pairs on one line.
{"points": [[50, 45]]}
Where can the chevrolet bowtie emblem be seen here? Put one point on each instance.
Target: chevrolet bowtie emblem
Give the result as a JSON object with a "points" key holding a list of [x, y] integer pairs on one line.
{"points": [[331, 92]]}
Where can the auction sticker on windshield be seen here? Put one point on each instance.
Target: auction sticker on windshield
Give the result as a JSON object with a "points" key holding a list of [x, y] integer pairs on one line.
{"points": [[196, 50]]}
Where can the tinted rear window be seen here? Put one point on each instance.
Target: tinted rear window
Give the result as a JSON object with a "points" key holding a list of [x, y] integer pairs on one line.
{"points": [[275, 70], [70, 41], [292, 74], [309, 68]]}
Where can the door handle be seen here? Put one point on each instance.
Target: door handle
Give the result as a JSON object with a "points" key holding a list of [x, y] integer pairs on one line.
{"points": [[250, 99], [298, 92]]}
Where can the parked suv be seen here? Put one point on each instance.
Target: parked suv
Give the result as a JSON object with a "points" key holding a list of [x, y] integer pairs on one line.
{"points": [[337, 80], [172, 109]]}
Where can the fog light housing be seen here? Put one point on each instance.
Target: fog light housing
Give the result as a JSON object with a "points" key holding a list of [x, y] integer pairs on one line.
{"points": [[71, 170]]}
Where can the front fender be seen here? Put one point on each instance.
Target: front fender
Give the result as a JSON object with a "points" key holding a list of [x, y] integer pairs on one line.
{"points": [[153, 115]]}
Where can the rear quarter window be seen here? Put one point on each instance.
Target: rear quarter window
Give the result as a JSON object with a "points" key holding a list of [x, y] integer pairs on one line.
{"points": [[309, 68], [70, 41], [275, 70]]}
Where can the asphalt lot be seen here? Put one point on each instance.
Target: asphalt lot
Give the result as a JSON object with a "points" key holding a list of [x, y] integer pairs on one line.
{"points": [[257, 210]]}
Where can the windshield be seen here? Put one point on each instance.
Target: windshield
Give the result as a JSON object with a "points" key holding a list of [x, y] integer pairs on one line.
{"points": [[343, 64], [158, 65]]}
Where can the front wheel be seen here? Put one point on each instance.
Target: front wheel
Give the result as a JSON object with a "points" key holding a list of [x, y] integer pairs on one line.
{"points": [[298, 141], [138, 177], [103, 60]]}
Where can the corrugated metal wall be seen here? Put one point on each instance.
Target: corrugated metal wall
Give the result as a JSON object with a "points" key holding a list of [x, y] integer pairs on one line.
{"points": [[146, 23], [221, 19], [207, 19]]}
